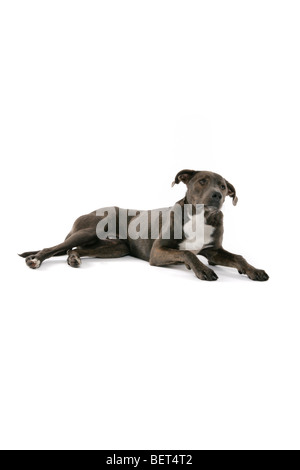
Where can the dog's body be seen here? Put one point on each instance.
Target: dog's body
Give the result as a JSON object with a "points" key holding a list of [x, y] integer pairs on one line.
{"points": [[203, 188]]}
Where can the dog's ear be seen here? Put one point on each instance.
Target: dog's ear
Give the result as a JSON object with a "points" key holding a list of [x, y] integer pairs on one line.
{"points": [[185, 176], [231, 192]]}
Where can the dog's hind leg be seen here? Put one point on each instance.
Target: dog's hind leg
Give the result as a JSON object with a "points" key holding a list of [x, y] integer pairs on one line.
{"points": [[78, 238], [60, 253], [103, 249]]}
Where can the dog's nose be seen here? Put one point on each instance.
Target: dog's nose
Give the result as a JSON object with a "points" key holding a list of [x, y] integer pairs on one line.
{"points": [[216, 196]]}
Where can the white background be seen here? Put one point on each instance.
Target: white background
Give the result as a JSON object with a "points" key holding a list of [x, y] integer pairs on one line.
{"points": [[102, 103]]}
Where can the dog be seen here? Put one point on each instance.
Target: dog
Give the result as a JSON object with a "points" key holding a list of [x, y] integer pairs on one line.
{"points": [[162, 237]]}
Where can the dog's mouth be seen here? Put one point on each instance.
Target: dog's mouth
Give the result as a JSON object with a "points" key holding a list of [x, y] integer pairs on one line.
{"points": [[213, 207]]}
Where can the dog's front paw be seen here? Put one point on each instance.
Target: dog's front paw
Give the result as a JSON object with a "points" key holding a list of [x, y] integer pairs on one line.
{"points": [[257, 275], [33, 262], [206, 274]]}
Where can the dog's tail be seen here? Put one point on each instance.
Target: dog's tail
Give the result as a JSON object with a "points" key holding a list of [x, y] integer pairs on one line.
{"points": [[29, 253]]}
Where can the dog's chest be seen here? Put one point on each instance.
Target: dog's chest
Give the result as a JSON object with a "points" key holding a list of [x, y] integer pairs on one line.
{"points": [[197, 235]]}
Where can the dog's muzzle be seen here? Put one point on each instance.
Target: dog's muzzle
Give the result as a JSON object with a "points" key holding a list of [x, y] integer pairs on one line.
{"points": [[216, 199]]}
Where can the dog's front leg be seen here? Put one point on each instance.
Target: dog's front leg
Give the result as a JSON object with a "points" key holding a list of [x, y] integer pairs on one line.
{"points": [[225, 258], [165, 256]]}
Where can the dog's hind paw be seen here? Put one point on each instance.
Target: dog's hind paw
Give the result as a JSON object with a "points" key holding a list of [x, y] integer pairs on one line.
{"points": [[33, 262], [73, 260]]}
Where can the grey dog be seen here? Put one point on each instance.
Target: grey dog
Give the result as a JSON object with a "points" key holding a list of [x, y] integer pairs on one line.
{"points": [[204, 188]]}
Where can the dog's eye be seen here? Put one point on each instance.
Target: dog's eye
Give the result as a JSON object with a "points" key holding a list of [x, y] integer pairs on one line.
{"points": [[203, 181], [223, 186]]}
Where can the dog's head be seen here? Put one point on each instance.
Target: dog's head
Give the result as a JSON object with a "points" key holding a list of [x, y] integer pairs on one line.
{"points": [[205, 187]]}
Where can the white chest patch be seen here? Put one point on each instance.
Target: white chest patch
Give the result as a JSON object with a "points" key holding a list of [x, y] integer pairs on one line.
{"points": [[198, 235]]}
